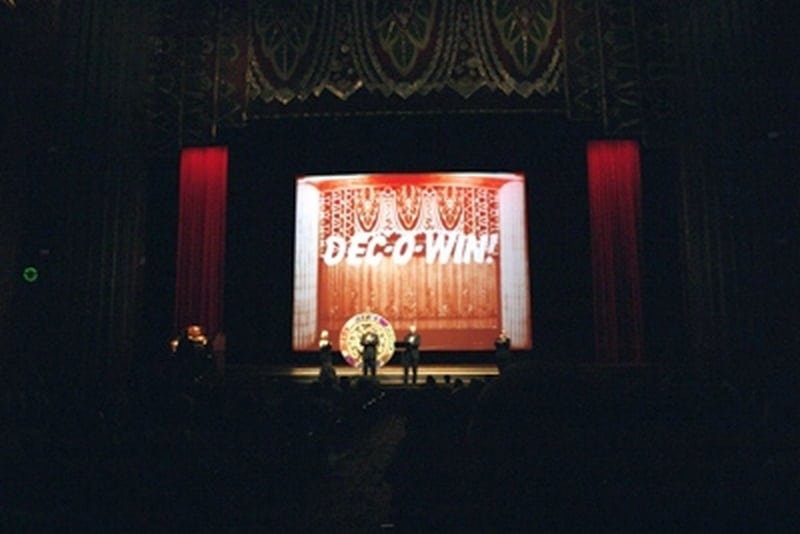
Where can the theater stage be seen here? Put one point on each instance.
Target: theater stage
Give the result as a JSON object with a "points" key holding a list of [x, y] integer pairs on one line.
{"points": [[389, 375]]}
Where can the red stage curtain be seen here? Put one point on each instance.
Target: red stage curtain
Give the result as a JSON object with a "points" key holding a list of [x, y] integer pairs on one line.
{"points": [[615, 210], [201, 238]]}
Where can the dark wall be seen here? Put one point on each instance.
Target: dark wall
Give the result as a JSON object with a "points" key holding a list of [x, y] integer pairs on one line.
{"points": [[159, 264], [661, 269]]}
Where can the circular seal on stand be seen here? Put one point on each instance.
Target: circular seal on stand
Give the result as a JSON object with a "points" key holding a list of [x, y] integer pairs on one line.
{"points": [[356, 327]]}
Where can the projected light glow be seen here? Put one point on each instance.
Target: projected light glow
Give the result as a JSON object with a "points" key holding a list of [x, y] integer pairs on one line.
{"points": [[444, 251]]}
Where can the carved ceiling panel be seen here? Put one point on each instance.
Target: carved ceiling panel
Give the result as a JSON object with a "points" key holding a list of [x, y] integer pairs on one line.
{"points": [[222, 63]]}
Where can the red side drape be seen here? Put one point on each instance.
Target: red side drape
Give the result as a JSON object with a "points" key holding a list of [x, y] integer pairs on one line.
{"points": [[615, 209], [201, 238]]}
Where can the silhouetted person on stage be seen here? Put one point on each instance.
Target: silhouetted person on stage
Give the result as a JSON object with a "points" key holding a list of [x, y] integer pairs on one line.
{"points": [[369, 356], [502, 350], [411, 354], [194, 355], [326, 372]]}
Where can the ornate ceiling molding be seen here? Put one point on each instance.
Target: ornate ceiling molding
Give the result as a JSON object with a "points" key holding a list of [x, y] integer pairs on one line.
{"points": [[218, 63], [404, 48]]}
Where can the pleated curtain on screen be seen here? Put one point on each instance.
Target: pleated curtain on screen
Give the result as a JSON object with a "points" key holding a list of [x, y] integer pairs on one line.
{"points": [[614, 170], [199, 276]]}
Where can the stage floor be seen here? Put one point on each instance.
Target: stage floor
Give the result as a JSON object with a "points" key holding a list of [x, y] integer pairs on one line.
{"points": [[387, 375]]}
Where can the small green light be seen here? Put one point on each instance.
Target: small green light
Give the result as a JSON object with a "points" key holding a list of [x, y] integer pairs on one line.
{"points": [[30, 274]]}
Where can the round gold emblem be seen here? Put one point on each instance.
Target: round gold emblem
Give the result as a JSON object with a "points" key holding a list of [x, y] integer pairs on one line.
{"points": [[355, 328]]}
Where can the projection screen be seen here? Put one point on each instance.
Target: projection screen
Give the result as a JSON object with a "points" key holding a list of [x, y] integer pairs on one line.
{"points": [[445, 251]]}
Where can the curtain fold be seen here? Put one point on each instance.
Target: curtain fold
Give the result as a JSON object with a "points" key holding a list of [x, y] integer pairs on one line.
{"points": [[200, 257], [306, 275], [615, 209], [515, 285]]}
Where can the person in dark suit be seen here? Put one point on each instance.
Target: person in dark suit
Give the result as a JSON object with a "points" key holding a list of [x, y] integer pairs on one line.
{"points": [[326, 372], [411, 354], [502, 350], [194, 355], [369, 355]]}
